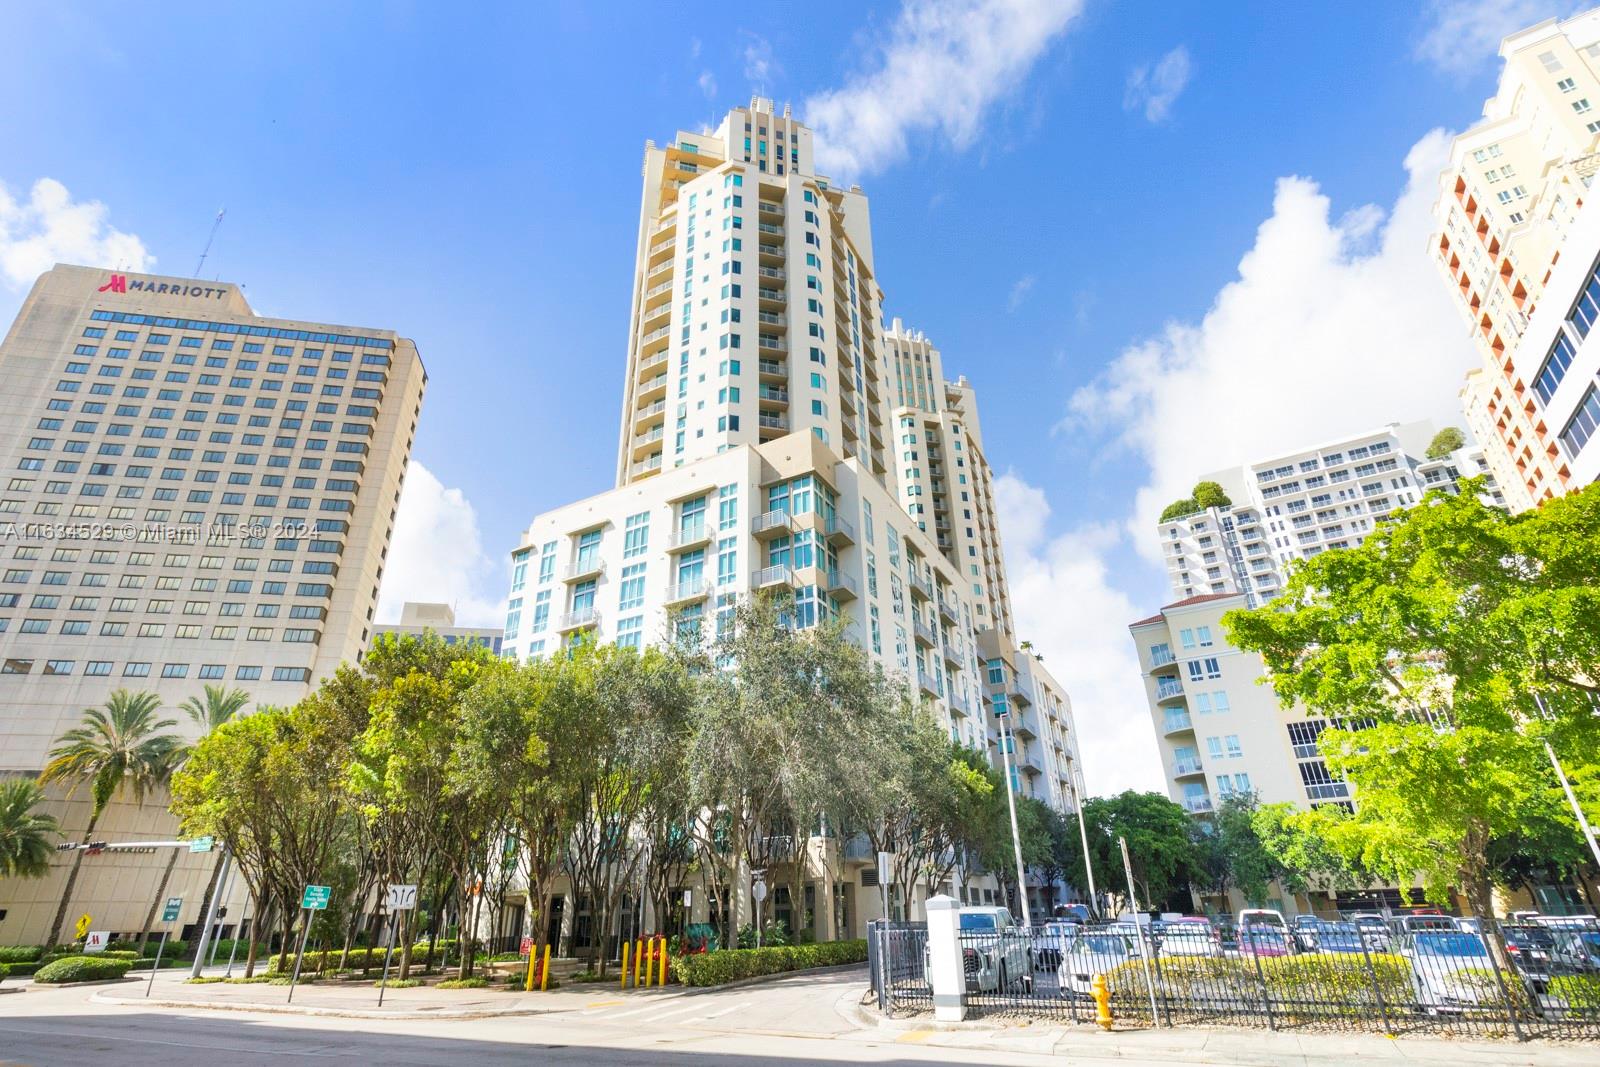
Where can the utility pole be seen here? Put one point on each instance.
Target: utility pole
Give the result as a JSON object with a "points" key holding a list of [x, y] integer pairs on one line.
{"points": [[1011, 803], [1083, 835]]}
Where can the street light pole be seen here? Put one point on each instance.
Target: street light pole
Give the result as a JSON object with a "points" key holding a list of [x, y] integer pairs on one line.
{"points": [[1083, 834], [1566, 786], [1011, 803]]}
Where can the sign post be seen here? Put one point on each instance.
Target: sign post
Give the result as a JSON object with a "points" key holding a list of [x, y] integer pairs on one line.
{"points": [[398, 898], [169, 913], [758, 890], [315, 898], [885, 874], [95, 941]]}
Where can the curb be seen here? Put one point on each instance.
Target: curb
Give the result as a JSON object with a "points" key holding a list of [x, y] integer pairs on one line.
{"points": [[335, 1013], [760, 979]]}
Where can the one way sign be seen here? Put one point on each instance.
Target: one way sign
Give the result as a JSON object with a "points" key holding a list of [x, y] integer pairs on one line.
{"points": [[401, 897]]}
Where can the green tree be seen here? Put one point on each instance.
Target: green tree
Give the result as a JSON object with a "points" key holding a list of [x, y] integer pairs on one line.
{"points": [[1447, 646], [218, 707], [120, 747], [1210, 495], [1299, 847], [25, 833], [1445, 442], [1179, 509], [1231, 854], [1160, 846]]}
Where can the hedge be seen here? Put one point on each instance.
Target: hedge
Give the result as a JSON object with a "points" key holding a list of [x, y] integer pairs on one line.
{"points": [[284, 961], [730, 965], [1578, 991], [5, 969], [81, 969], [1328, 981], [21, 953]]}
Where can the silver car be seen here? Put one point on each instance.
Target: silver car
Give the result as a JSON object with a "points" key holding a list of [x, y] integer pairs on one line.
{"points": [[1450, 971], [1095, 952]]}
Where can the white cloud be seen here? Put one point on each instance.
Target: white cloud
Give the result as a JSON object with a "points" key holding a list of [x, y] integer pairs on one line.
{"points": [[759, 66], [942, 66], [436, 555], [1066, 604], [50, 228], [708, 84], [1019, 291], [1462, 35], [1154, 89], [1332, 327]]}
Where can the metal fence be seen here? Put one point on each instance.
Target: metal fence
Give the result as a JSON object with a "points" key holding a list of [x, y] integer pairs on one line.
{"points": [[1409, 977]]}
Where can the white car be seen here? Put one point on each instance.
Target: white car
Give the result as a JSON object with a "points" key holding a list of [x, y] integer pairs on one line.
{"points": [[1094, 952], [1450, 970], [995, 952]]}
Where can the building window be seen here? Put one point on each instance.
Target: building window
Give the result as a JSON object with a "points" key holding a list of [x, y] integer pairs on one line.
{"points": [[1582, 425]]}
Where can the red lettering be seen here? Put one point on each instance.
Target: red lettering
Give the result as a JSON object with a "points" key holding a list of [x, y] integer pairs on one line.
{"points": [[117, 284]]}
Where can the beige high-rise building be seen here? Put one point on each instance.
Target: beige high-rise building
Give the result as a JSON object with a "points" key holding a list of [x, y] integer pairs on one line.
{"points": [[193, 494], [1506, 207]]}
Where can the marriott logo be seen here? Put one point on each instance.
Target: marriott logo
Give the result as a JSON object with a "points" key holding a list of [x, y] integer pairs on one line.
{"points": [[119, 283]]}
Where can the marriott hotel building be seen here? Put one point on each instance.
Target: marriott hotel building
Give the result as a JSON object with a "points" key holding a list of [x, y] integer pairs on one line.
{"points": [[190, 494]]}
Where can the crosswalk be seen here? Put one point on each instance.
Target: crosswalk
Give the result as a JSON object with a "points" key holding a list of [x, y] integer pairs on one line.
{"points": [[680, 1010]]}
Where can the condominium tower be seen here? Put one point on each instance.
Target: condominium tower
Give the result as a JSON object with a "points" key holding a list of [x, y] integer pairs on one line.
{"points": [[193, 494], [768, 442], [1295, 505], [1506, 209]]}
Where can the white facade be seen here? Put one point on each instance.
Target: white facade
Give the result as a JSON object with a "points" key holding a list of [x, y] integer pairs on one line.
{"points": [[417, 619], [1293, 506], [1506, 210]]}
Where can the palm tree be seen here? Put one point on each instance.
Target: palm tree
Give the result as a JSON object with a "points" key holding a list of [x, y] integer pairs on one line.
{"points": [[120, 746], [218, 707], [24, 833]]}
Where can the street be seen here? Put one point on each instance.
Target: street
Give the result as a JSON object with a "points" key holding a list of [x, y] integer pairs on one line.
{"points": [[799, 1019]]}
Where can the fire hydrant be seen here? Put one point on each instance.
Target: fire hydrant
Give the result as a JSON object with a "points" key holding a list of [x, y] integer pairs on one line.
{"points": [[1101, 993]]}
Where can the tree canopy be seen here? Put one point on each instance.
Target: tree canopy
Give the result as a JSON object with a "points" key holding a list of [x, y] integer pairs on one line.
{"points": [[1445, 442]]}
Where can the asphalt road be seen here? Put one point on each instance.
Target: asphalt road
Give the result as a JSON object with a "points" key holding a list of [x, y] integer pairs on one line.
{"points": [[787, 1022]]}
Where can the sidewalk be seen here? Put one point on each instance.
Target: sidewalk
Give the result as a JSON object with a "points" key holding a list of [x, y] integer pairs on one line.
{"points": [[359, 999], [1247, 1048]]}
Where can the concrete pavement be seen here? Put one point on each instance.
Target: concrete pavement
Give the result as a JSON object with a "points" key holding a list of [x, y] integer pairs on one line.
{"points": [[797, 1019]]}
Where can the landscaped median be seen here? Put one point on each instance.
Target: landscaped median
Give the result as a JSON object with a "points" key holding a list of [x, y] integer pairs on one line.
{"points": [[730, 965], [68, 969]]}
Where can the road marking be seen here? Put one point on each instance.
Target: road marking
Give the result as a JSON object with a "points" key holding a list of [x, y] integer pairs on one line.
{"points": [[725, 1011], [668, 1013], [596, 1006], [635, 1011], [915, 1037]]}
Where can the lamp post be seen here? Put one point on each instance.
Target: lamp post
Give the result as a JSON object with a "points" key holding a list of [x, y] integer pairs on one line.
{"points": [[1083, 834], [1011, 803]]}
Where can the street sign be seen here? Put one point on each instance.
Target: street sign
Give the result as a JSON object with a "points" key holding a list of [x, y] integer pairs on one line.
{"points": [[82, 928], [401, 897], [95, 940], [316, 897], [525, 946], [202, 844], [759, 891], [170, 912], [885, 868]]}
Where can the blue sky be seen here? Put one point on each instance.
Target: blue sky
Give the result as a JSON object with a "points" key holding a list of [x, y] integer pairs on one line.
{"points": [[1106, 215]]}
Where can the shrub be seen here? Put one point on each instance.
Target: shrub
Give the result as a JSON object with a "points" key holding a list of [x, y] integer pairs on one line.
{"points": [[81, 969], [465, 983], [1578, 991], [5, 969], [205, 979], [589, 976], [719, 968], [254, 979], [399, 983], [116, 954], [504, 957], [21, 953]]}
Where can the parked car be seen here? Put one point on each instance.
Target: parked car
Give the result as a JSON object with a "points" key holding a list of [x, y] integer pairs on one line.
{"points": [[1563, 922], [1374, 930], [1341, 938], [994, 950], [1577, 950], [1425, 922], [1185, 937], [1096, 952], [1072, 912], [1306, 930], [1531, 949], [1050, 941], [1450, 971], [1262, 917], [1262, 941]]}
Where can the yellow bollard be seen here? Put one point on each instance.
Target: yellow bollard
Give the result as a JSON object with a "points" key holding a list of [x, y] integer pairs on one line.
{"points": [[1102, 1001], [533, 959], [625, 947], [638, 958], [663, 961], [544, 972]]}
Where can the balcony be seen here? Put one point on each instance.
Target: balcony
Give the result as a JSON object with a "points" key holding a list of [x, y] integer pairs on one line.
{"points": [[772, 394], [842, 586], [1177, 722], [580, 569], [649, 411], [840, 532], [776, 273], [689, 537], [771, 342], [1187, 767], [578, 620], [772, 524], [767, 577], [927, 683], [1024, 722], [770, 295], [772, 422], [772, 207], [773, 368], [1197, 805], [650, 362], [1162, 658], [920, 587], [772, 251], [1168, 688], [947, 611], [952, 656], [957, 704], [687, 592], [1029, 763], [923, 633], [648, 466], [770, 227]]}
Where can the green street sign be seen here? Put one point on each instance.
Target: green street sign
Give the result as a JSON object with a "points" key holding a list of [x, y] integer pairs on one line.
{"points": [[316, 897], [202, 844], [170, 912]]}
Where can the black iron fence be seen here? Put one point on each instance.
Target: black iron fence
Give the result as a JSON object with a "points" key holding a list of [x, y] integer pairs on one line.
{"points": [[1521, 980]]}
